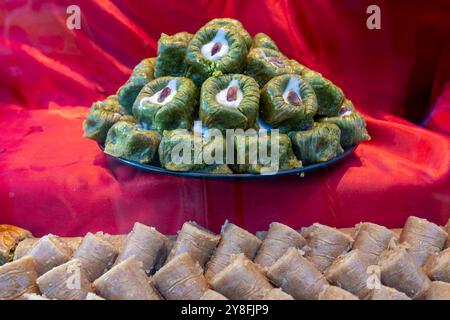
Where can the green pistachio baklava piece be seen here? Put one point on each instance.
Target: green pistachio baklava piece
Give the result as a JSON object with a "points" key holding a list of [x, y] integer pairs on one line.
{"points": [[229, 101], [171, 54], [262, 40], [319, 144], [351, 123], [181, 150], [263, 64], [142, 74], [256, 154], [288, 103], [297, 67], [129, 141], [102, 115], [329, 96], [166, 103], [233, 23], [214, 51]]}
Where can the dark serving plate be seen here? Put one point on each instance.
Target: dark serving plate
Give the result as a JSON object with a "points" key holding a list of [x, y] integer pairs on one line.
{"points": [[297, 171]]}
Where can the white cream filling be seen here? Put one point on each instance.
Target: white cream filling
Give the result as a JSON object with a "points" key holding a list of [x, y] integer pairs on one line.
{"points": [[346, 113], [172, 84], [293, 85], [221, 97], [218, 38]]}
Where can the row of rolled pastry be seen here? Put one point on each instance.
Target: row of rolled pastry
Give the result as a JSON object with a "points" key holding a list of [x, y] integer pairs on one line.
{"points": [[317, 262]]}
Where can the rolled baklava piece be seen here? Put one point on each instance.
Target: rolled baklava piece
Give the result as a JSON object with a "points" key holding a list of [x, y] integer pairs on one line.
{"points": [[423, 238], [141, 75], [181, 279], [279, 156], [241, 280], [166, 103], [33, 296], [399, 271], [96, 255], [279, 238], [68, 281], [171, 54], [329, 96], [264, 64], [126, 281], [229, 101], [147, 245], [447, 228], [262, 40], [386, 293], [336, 293], [10, 237], [288, 103], [212, 295], [18, 278], [235, 24], [372, 239], [350, 272], [24, 247], [438, 291], [199, 242], [325, 244], [93, 296], [102, 115], [437, 266], [234, 240], [277, 294], [215, 50], [297, 276], [49, 252], [318, 144], [351, 123]]}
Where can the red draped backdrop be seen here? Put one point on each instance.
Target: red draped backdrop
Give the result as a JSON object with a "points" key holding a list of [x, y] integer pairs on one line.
{"points": [[54, 180]]}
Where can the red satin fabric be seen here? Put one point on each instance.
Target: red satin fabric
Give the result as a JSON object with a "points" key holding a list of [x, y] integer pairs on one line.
{"points": [[53, 180]]}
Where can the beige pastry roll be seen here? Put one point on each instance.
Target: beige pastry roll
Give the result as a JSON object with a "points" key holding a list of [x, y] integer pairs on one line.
{"points": [[423, 238], [297, 276], [278, 239], [386, 293], [126, 281], [439, 290], [325, 244], [49, 252], [277, 294], [33, 296], [148, 246], [96, 255], [24, 247], [241, 280], [399, 271], [18, 278], [68, 281], [372, 239], [437, 266], [181, 279], [350, 272], [212, 295], [336, 293], [234, 240], [447, 229], [199, 242], [93, 296]]}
